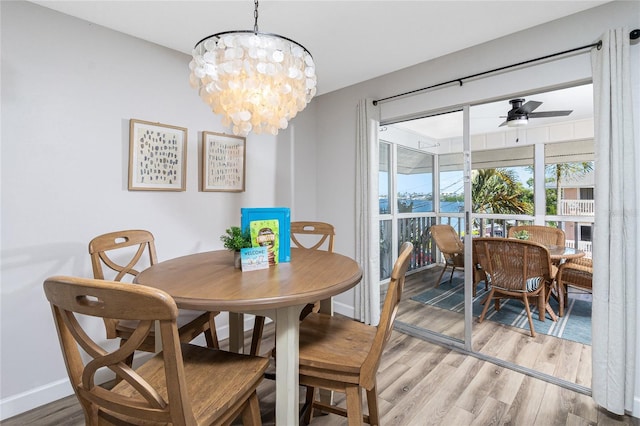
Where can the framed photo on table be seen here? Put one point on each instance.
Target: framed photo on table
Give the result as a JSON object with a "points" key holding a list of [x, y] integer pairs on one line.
{"points": [[223, 162], [157, 156]]}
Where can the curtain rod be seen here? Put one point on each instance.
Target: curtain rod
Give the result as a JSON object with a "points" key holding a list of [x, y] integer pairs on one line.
{"points": [[633, 35]]}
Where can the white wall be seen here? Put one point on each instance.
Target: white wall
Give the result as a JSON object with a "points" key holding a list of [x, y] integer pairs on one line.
{"points": [[336, 116], [69, 89]]}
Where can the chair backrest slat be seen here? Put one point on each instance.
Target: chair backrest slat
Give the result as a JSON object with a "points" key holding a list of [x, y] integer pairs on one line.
{"points": [[323, 232]]}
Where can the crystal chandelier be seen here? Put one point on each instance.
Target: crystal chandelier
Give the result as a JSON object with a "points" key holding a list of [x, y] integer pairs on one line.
{"points": [[257, 81]]}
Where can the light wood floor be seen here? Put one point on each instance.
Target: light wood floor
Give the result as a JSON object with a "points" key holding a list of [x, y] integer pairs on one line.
{"points": [[422, 383]]}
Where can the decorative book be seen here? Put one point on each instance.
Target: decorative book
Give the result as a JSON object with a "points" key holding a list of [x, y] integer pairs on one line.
{"points": [[283, 217], [254, 258], [266, 233]]}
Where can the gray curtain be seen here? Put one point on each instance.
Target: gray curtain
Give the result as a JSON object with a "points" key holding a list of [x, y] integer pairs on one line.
{"points": [[367, 300], [616, 244]]}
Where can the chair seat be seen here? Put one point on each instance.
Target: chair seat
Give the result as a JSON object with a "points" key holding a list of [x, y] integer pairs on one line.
{"points": [[216, 381], [334, 344]]}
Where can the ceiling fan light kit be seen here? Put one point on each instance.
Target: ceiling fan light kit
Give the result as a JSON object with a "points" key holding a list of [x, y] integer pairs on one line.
{"points": [[518, 122], [256, 81]]}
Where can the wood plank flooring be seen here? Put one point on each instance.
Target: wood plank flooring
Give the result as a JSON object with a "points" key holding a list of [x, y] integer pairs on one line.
{"points": [[421, 383]]}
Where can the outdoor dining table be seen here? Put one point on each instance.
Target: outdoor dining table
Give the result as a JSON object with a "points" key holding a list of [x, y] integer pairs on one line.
{"points": [[210, 282], [560, 253]]}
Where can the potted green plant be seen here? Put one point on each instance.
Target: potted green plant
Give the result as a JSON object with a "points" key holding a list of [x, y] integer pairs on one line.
{"points": [[235, 239], [521, 235]]}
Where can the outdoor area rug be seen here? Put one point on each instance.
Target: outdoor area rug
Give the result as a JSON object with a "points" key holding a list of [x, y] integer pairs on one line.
{"points": [[575, 325]]}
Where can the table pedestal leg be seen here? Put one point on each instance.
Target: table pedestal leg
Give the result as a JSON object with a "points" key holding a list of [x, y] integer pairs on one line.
{"points": [[287, 358]]}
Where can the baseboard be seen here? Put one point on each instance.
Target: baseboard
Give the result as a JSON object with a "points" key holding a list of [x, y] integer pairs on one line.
{"points": [[343, 309], [33, 398]]}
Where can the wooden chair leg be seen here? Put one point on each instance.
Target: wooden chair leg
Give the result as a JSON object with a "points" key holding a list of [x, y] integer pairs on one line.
{"points": [[256, 338], [526, 307], [372, 403], [251, 413], [309, 398], [211, 334], [354, 406]]}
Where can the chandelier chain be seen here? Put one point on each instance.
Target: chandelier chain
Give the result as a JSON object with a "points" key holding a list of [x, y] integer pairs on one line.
{"points": [[255, 15]]}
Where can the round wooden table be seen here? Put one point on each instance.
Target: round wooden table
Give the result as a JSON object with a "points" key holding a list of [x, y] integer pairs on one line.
{"points": [[209, 282]]}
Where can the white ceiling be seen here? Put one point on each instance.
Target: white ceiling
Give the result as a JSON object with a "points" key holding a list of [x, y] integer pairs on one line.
{"points": [[486, 118], [351, 41]]}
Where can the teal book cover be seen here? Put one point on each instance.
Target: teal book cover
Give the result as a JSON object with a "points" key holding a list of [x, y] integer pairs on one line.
{"points": [[282, 215]]}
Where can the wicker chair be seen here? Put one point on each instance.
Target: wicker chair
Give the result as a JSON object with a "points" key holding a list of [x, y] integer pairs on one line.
{"points": [[576, 273], [452, 249], [546, 235], [516, 269]]}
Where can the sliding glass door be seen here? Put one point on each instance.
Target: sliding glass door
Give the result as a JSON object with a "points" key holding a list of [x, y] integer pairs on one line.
{"points": [[413, 197]]}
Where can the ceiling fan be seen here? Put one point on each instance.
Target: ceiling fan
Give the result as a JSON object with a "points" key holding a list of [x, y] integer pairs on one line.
{"points": [[519, 114]]}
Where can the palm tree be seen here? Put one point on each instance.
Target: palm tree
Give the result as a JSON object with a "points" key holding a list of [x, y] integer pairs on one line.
{"points": [[498, 191]]}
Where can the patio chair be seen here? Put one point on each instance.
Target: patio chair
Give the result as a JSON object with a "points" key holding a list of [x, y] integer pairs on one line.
{"points": [[516, 269], [114, 251], [575, 273], [181, 385], [546, 235], [452, 249]]}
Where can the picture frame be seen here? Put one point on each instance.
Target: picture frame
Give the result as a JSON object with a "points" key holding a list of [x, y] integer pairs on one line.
{"points": [[157, 156], [223, 162]]}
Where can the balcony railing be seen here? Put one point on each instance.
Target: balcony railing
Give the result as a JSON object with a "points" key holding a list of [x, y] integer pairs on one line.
{"points": [[576, 208], [425, 253]]}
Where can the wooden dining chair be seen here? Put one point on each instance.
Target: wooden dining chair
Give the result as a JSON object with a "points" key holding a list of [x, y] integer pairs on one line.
{"points": [[547, 235], [305, 235], [452, 248], [181, 385], [341, 354], [516, 269], [575, 273], [120, 253]]}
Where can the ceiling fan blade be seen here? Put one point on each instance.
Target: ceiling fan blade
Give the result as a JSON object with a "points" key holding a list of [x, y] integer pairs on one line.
{"points": [[503, 124], [550, 114], [528, 107]]}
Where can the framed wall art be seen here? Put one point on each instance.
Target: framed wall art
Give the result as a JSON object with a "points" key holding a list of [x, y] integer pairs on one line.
{"points": [[223, 162], [157, 156]]}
